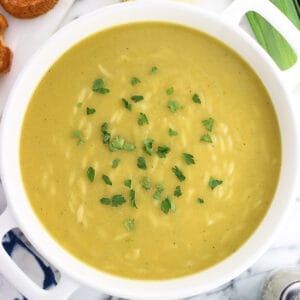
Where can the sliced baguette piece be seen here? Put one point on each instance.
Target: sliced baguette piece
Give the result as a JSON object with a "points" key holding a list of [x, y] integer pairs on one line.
{"points": [[5, 53], [27, 9]]}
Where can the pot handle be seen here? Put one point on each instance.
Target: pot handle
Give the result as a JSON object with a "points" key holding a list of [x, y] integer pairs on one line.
{"points": [[19, 279], [235, 12]]}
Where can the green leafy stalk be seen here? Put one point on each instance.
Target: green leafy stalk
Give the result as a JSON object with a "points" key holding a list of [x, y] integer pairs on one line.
{"points": [[270, 39]]}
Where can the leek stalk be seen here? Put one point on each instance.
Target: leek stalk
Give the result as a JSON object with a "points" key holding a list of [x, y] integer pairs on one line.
{"points": [[270, 39]]}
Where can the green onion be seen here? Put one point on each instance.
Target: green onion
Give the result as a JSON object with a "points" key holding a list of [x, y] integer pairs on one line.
{"points": [[270, 39]]}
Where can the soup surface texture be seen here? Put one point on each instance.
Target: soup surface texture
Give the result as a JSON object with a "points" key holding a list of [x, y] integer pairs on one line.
{"points": [[150, 151]]}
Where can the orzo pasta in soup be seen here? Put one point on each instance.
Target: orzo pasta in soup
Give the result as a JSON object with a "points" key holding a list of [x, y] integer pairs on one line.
{"points": [[150, 151]]}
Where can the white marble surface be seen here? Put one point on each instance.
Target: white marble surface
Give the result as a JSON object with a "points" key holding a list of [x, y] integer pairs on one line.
{"points": [[24, 38]]}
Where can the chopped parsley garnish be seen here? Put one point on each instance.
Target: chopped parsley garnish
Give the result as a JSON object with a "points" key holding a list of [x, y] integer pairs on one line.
{"points": [[146, 183], [167, 205], [129, 224], [170, 91], [132, 198], [196, 98], [98, 87], [154, 70], [200, 200], [137, 98], [128, 147], [141, 163], [117, 200], [90, 174], [208, 124], [172, 132], [173, 105], [148, 146], [117, 143], [159, 189], [115, 163], [105, 201], [127, 105], [206, 138], [77, 134], [188, 158], [127, 182], [106, 179], [178, 173], [213, 183], [105, 133], [142, 119], [135, 81], [79, 104], [177, 191], [162, 151], [90, 111]]}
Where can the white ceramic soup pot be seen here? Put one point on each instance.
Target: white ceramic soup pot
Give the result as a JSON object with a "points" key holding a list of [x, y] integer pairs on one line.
{"points": [[224, 27]]}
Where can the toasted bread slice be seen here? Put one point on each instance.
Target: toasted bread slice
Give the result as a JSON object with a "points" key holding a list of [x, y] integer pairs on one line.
{"points": [[27, 9], [5, 52]]}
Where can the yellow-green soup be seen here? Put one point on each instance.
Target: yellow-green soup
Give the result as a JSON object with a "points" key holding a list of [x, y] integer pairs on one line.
{"points": [[195, 133]]}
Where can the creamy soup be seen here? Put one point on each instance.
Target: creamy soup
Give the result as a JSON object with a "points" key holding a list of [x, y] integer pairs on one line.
{"points": [[150, 151]]}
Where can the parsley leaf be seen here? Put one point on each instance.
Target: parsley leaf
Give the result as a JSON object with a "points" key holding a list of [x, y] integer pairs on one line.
{"points": [[98, 87], [135, 81], [132, 198], [172, 132], [167, 205], [200, 200], [177, 191], [146, 183], [126, 104], [137, 98], [148, 146], [178, 173], [142, 119], [208, 124], [189, 158], [159, 189], [105, 133], [129, 224], [206, 138], [115, 163], [128, 147], [170, 91], [79, 104], [154, 70], [141, 163], [105, 201], [213, 183], [77, 134], [90, 111], [106, 179], [117, 200], [162, 151], [117, 143], [196, 98], [90, 174], [173, 105], [127, 182]]}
